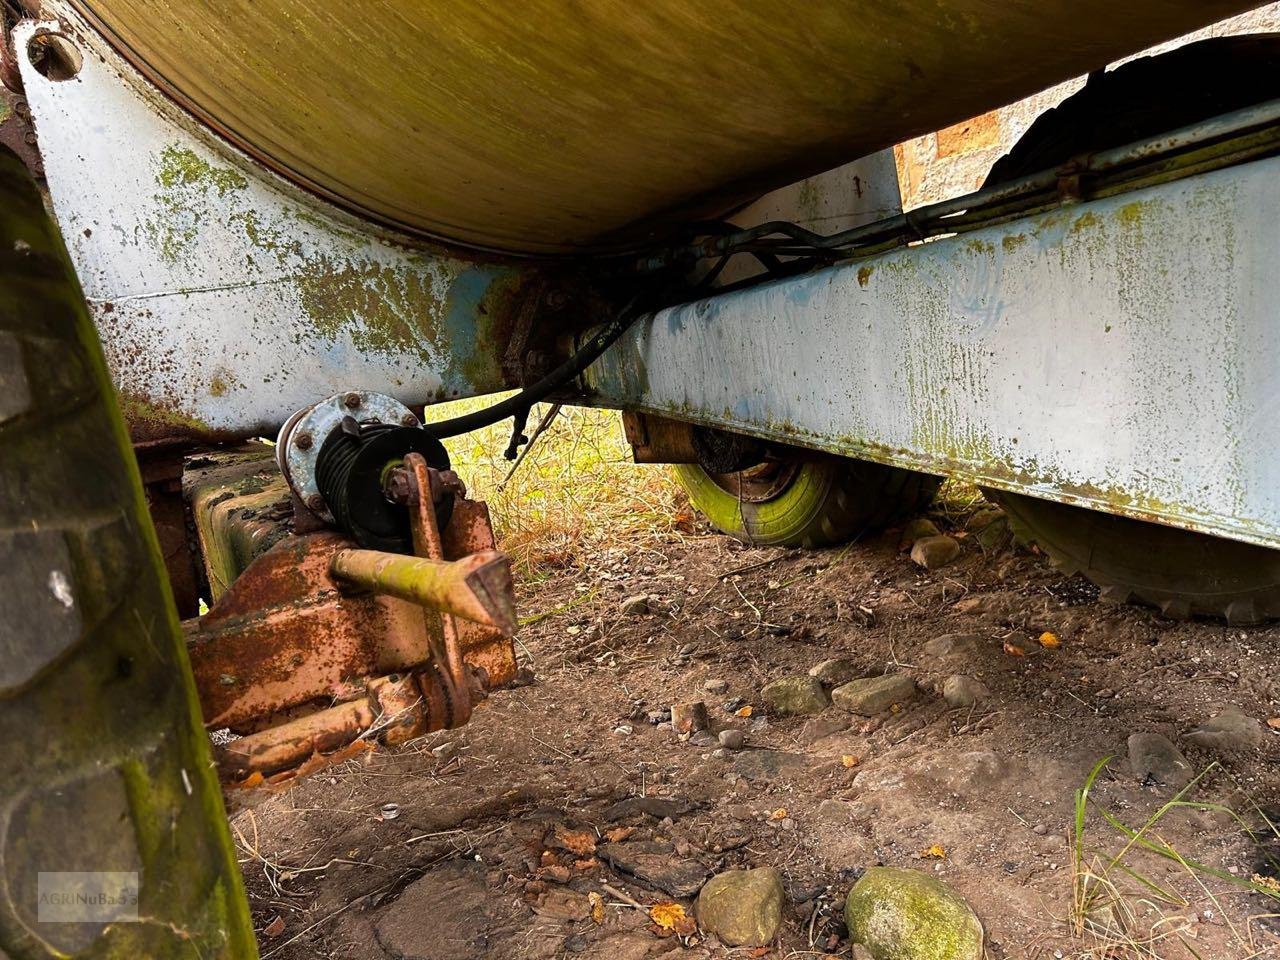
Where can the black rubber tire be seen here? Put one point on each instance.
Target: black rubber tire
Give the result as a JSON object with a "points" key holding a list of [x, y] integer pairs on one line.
{"points": [[829, 500], [1183, 574], [105, 764]]}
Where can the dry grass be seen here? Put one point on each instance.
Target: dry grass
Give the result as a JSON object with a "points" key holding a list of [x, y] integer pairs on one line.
{"points": [[1125, 914], [575, 490]]}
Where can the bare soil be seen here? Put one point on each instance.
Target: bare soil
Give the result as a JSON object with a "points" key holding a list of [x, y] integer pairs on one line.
{"points": [[563, 787]]}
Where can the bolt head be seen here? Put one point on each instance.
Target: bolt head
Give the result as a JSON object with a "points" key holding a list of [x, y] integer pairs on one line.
{"points": [[352, 401], [303, 441], [315, 503], [408, 420]]}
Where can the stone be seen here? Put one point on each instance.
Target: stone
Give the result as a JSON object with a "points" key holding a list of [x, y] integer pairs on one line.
{"points": [[463, 914], [994, 537], [1155, 760], [838, 810], [962, 691], [795, 696], [875, 694], [966, 771], [732, 739], [917, 529], [689, 717], [908, 915], [657, 865], [743, 908], [660, 808], [981, 519], [768, 765], [934, 552], [716, 687], [1229, 732], [823, 726], [832, 673], [954, 648], [635, 606]]}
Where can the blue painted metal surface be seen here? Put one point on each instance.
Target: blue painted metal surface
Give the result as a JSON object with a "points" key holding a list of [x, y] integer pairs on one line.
{"points": [[1118, 354]]}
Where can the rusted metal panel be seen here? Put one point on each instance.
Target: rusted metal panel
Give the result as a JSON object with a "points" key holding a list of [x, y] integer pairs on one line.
{"points": [[307, 619], [226, 299], [1118, 354], [285, 635]]}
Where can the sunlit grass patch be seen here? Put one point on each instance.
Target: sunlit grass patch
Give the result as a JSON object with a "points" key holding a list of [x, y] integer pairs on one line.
{"points": [[577, 488]]}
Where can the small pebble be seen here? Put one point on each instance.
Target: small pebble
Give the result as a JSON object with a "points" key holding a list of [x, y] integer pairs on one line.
{"points": [[624, 730], [716, 687], [1040, 830], [732, 739]]}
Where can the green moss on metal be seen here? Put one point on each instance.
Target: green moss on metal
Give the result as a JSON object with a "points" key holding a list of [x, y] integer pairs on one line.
{"points": [[181, 167]]}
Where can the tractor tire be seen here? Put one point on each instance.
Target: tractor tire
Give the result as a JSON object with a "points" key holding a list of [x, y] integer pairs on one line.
{"points": [[106, 767], [1183, 574], [811, 500]]}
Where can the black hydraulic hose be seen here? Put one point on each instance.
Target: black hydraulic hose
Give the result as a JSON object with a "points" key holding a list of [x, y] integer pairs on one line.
{"points": [[518, 406]]}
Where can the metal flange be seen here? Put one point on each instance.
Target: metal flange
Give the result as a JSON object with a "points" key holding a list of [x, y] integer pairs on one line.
{"points": [[303, 434]]}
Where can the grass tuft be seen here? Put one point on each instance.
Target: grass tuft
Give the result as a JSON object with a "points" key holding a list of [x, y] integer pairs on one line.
{"points": [[575, 492]]}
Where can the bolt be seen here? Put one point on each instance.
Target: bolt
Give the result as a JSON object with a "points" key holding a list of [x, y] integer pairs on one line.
{"points": [[450, 482], [303, 441], [351, 401], [408, 420], [315, 503], [398, 487]]}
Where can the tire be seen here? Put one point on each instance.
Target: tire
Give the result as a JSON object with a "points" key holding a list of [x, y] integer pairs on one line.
{"points": [[814, 501], [105, 765], [1181, 573]]}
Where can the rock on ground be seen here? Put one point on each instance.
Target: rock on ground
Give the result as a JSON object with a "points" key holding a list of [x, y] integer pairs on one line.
{"points": [[1155, 760], [908, 915], [458, 901], [795, 696], [934, 552], [832, 673], [917, 529], [635, 606], [742, 907], [656, 864], [875, 694], [689, 717], [962, 691], [1229, 732]]}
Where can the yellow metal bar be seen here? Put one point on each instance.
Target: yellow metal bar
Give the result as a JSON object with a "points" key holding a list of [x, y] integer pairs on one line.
{"points": [[477, 587]]}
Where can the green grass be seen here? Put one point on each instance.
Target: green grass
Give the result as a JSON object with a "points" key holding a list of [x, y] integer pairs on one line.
{"points": [[1111, 893], [576, 491]]}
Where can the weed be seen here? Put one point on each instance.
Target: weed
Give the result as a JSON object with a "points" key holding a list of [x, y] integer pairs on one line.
{"points": [[1117, 914], [576, 489]]}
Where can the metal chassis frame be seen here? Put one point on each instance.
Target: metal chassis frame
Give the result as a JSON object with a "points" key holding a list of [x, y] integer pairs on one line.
{"points": [[1118, 354]]}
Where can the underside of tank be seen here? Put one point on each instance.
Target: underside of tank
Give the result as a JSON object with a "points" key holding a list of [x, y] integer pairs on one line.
{"points": [[308, 222]]}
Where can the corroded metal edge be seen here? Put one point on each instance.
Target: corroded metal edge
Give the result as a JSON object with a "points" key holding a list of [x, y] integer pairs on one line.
{"points": [[226, 298], [1117, 354]]}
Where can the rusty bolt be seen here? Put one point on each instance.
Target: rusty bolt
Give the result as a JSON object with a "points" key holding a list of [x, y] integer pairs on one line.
{"points": [[398, 487], [351, 401], [303, 441], [450, 482], [315, 503], [408, 420]]}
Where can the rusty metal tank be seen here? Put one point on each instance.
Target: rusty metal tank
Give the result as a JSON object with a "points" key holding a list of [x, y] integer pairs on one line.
{"points": [[553, 126]]}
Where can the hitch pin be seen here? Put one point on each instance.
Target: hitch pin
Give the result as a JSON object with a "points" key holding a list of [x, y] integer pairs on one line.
{"points": [[477, 587]]}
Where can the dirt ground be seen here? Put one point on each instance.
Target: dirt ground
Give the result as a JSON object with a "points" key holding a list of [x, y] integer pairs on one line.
{"points": [[575, 784]]}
